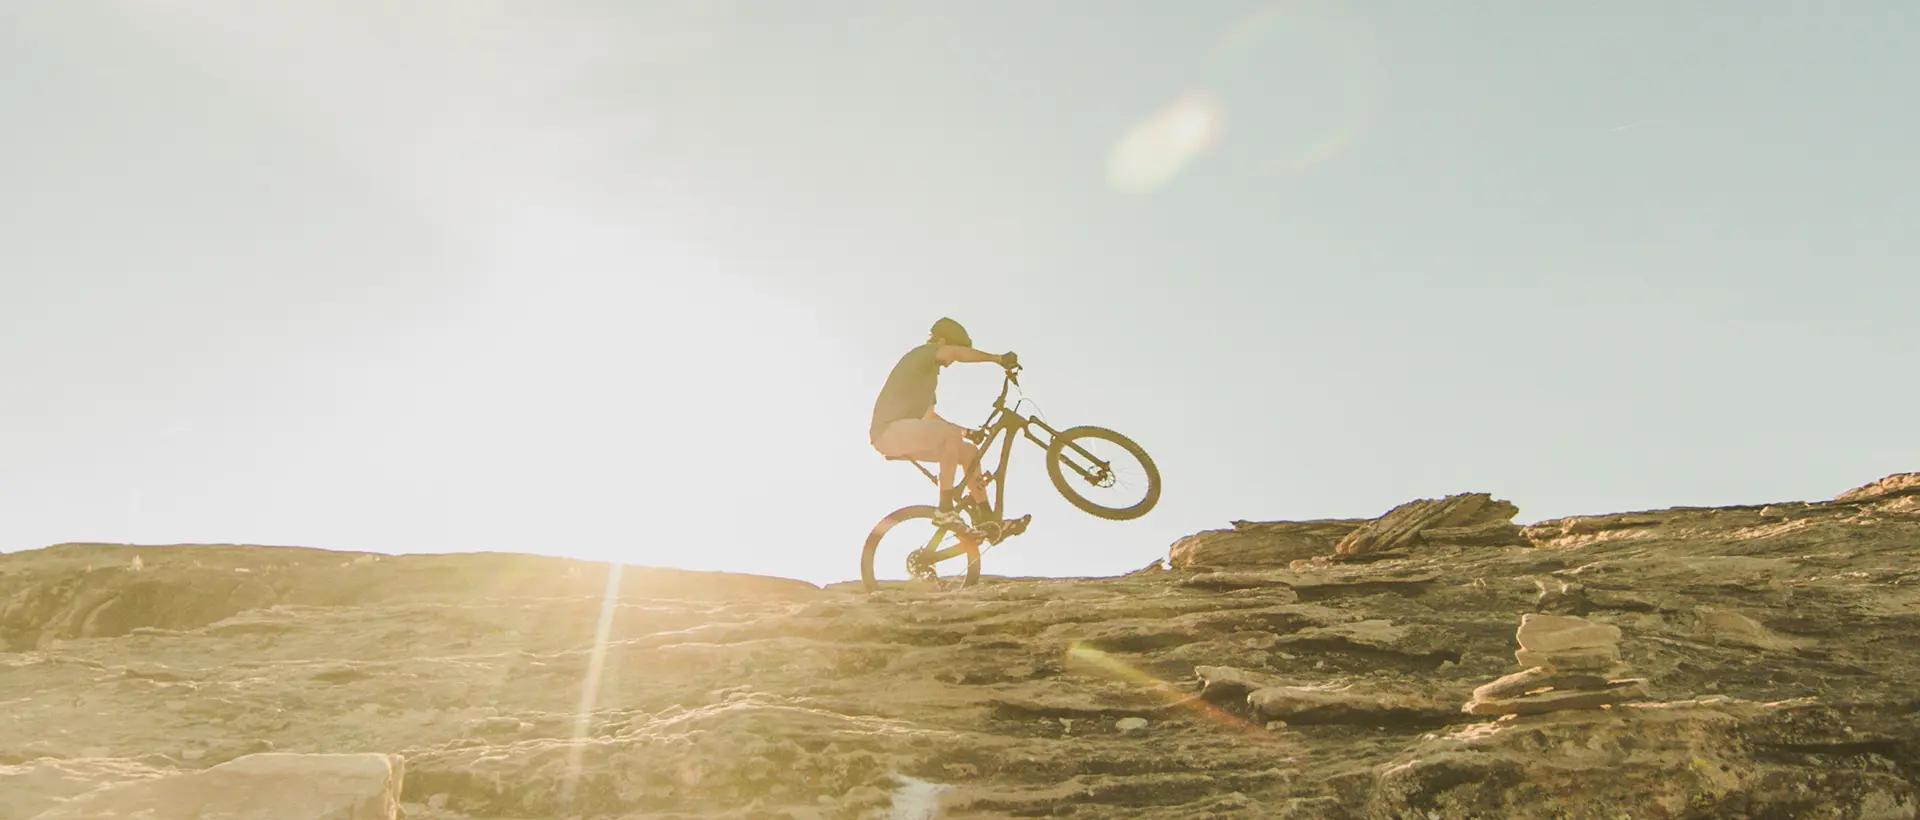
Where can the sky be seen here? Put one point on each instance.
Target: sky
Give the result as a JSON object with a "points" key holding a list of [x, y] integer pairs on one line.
{"points": [[620, 281]]}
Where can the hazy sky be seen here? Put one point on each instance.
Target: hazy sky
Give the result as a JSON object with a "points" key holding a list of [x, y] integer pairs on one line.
{"points": [[619, 280]]}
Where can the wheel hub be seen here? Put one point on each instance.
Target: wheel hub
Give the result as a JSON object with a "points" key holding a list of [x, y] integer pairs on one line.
{"points": [[919, 567]]}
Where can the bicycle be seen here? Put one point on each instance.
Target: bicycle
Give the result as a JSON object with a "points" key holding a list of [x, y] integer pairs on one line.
{"points": [[1068, 458]]}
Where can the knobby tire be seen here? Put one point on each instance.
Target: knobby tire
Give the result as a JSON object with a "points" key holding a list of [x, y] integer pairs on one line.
{"points": [[1057, 451], [896, 518]]}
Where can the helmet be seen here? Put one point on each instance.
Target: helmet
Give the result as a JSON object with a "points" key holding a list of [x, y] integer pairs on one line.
{"points": [[951, 331]]}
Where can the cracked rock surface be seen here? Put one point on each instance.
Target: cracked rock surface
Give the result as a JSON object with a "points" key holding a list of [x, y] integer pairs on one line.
{"points": [[1775, 643]]}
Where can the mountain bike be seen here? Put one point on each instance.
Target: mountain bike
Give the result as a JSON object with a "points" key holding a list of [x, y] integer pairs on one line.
{"points": [[1072, 464]]}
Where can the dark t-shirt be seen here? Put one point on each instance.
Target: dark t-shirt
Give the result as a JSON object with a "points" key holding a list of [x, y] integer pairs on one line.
{"points": [[909, 391]]}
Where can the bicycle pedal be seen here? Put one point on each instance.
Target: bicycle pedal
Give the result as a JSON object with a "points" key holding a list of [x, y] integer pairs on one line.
{"points": [[1002, 530]]}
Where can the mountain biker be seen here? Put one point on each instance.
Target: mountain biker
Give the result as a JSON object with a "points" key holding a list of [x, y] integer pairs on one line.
{"points": [[905, 426]]}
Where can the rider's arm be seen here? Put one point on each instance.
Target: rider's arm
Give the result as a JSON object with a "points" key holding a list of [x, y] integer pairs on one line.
{"points": [[955, 353]]}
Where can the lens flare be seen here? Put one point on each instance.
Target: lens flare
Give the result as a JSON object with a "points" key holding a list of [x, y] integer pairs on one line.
{"points": [[1301, 82], [1303, 79], [1156, 150], [590, 688], [1079, 652]]}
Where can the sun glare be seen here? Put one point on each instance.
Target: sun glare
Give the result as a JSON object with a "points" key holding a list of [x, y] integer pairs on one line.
{"points": [[1156, 150], [1174, 696], [590, 688], [1301, 82], [600, 381]]}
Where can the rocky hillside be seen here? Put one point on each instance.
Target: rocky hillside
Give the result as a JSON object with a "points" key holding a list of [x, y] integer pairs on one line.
{"points": [[1437, 662]]}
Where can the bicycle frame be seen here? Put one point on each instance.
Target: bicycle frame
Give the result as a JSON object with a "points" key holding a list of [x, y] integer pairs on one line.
{"points": [[1001, 419]]}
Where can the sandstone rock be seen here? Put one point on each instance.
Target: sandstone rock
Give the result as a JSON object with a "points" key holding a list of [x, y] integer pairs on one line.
{"points": [[1610, 693], [272, 786], [173, 592], [1421, 643], [1563, 655], [1260, 543], [1495, 533], [1324, 579], [1561, 633], [1403, 525], [37, 785], [1230, 581], [1897, 484], [1535, 678], [1340, 703], [1730, 628], [1225, 684], [761, 699], [1685, 759], [1590, 659], [1584, 529], [1562, 598]]}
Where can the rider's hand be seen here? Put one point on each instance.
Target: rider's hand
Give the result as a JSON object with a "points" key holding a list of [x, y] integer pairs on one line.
{"points": [[1009, 360]]}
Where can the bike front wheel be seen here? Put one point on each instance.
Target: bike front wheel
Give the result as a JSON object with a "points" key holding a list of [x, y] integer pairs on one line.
{"points": [[1085, 462], [906, 550]]}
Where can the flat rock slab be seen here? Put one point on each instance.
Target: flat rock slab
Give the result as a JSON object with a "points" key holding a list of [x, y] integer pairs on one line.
{"points": [[1494, 533], [37, 785], [1403, 525], [1420, 642], [1265, 543], [1319, 579], [1339, 704], [1559, 633], [1620, 691], [1226, 684], [1590, 659], [272, 786], [1233, 581], [1537, 678]]}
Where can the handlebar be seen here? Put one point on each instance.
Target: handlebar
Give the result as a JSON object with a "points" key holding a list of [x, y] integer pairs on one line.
{"points": [[1012, 364]]}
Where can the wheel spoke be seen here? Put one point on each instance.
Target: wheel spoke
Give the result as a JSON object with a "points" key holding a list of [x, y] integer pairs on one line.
{"points": [[1103, 473], [1112, 469]]}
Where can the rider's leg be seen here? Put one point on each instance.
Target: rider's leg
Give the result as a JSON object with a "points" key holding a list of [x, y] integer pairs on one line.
{"points": [[985, 520], [949, 462], [965, 455], [941, 442], [956, 456]]}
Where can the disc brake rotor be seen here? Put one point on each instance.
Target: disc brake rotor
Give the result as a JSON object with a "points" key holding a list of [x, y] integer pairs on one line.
{"points": [[919, 568], [1101, 475]]}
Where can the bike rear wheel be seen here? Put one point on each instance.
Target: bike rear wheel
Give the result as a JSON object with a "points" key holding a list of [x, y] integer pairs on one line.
{"points": [[905, 550], [1083, 459]]}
